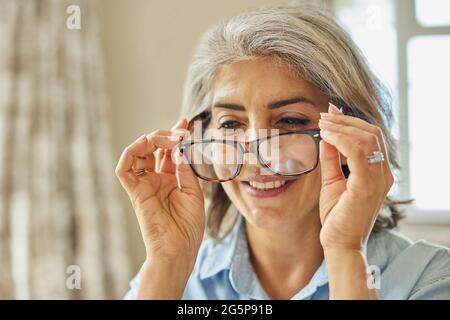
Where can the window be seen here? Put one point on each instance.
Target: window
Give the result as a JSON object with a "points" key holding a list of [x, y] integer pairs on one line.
{"points": [[372, 26], [407, 44], [432, 13], [429, 120]]}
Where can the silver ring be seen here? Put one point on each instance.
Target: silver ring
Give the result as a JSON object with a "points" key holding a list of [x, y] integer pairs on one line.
{"points": [[140, 172], [376, 157]]}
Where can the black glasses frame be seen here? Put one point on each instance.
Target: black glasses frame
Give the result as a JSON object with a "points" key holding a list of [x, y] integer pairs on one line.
{"points": [[251, 147]]}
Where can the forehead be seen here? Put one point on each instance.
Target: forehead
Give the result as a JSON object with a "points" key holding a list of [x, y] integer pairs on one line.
{"points": [[263, 76]]}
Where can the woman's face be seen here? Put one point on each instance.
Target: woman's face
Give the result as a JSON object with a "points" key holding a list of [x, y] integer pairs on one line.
{"points": [[252, 95]]}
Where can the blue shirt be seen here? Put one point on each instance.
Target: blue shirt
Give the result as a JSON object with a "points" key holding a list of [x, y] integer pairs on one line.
{"points": [[408, 270]]}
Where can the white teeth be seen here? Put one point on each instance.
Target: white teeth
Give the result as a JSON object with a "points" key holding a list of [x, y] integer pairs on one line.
{"points": [[267, 185]]}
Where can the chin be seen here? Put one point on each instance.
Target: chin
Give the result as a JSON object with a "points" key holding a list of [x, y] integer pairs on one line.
{"points": [[268, 218]]}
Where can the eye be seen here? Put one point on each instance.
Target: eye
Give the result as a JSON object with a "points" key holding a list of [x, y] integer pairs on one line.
{"points": [[230, 124], [292, 122]]}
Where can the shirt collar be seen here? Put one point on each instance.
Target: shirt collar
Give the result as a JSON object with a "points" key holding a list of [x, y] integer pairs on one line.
{"points": [[219, 255], [232, 254], [319, 279], [242, 275]]}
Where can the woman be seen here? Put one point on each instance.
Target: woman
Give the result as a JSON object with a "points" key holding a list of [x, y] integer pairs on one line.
{"points": [[313, 223]]}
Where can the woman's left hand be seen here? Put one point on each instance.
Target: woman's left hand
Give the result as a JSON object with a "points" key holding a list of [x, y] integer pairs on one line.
{"points": [[349, 207]]}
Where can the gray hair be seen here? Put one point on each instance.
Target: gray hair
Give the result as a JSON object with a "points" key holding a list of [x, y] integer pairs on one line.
{"points": [[312, 45]]}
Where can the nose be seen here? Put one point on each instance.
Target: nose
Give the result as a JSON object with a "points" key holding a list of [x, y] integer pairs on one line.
{"points": [[251, 166], [259, 127]]}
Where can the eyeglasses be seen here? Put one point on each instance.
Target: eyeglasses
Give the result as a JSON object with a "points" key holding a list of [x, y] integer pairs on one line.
{"points": [[286, 154]]}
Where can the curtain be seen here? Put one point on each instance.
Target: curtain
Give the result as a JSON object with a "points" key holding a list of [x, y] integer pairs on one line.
{"points": [[59, 199]]}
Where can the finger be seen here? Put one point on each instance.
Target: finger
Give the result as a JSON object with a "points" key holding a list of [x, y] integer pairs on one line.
{"points": [[164, 162], [167, 164], [159, 156], [330, 163], [355, 148], [370, 140], [144, 163], [162, 144], [336, 116], [142, 147], [126, 162], [188, 181], [160, 139]]}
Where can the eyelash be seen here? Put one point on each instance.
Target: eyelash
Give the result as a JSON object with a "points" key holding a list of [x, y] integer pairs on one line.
{"points": [[287, 121], [295, 122], [226, 124]]}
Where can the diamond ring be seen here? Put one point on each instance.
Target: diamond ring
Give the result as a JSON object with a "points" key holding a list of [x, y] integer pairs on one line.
{"points": [[376, 157]]}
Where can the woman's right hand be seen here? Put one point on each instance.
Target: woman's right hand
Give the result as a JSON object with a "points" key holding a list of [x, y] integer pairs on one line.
{"points": [[172, 221]]}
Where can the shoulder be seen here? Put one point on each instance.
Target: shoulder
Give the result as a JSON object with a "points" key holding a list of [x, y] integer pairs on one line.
{"points": [[410, 270]]}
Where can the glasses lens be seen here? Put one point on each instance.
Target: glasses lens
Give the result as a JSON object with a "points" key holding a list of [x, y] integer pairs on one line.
{"points": [[289, 154], [214, 160]]}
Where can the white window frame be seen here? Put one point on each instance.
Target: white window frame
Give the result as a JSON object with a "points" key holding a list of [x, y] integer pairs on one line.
{"points": [[408, 27]]}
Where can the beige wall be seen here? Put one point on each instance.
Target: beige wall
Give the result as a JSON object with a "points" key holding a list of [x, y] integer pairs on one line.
{"points": [[148, 45]]}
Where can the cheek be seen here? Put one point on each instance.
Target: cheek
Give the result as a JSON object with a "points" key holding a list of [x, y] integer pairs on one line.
{"points": [[231, 189], [233, 192], [307, 189]]}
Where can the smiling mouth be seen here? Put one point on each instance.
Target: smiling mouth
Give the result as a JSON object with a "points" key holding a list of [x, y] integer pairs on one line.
{"points": [[266, 189], [267, 185]]}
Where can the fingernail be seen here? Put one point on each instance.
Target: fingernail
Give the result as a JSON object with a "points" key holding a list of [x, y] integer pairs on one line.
{"points": [[178, 123], [333, 109], [179, 132]]}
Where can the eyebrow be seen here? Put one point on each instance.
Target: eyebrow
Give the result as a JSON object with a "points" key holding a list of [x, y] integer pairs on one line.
{"points": [[270, 106], [282, 103]]}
